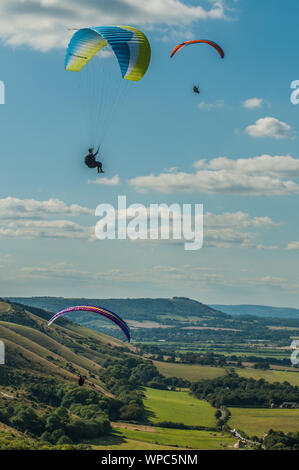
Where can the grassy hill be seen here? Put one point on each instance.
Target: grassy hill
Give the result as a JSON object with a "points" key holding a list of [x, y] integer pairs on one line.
{"points": [[63, 350]]}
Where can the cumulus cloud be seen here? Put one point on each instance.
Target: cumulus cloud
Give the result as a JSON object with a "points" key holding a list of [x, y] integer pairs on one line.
{"points": [[257, 176], [60, 229], [284, 166], [227, 230], [114, 181], [253, 103], [237, 219], [31, 219], [42, 24], [269, 127], [14, 208]]}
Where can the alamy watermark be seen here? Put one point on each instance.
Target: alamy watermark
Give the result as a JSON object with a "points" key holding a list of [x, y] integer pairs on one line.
{"points": [[178, 223], [2, 92], [2, 353], [295, 353], [295, 94]]}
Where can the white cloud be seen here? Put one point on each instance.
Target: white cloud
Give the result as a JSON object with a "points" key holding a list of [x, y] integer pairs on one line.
{"points": [[277, 165], [14, 208], [114, 181], [43, 24], [209, 106], [253, 103], [257, 176], [269, 127], [31, 219], [292, 246], [60, 229], [274, 281], [267, 247], [237, 219]]}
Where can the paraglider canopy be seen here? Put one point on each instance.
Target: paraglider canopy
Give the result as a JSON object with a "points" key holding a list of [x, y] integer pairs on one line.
{"points": [[101, 311], [130, 46], [198, 41]]}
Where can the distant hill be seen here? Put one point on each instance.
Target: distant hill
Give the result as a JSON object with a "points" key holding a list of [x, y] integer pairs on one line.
{"points": [[258, 311], [129, 309], [149, 313], [177, 320]]}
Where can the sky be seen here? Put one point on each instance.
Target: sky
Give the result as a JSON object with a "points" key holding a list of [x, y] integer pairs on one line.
{"points": [[233, 148]]}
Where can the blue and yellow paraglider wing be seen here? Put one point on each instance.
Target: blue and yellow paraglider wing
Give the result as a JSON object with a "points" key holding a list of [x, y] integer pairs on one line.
{"points": [[130, 46]]}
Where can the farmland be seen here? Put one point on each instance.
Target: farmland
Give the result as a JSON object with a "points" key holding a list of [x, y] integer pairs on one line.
{"points": [[178, 407], [257, 421]]}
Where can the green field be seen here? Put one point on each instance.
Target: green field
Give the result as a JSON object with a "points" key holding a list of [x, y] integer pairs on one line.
{"points": [[207, 440], [178, 407], [257, 421], [270, 375], [189, 372], [197, 372], [119, 441]]}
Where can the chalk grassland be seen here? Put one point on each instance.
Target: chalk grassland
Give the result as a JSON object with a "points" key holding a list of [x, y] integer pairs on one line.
{"points": [[178, 407], [257, 421], [189, 372]]}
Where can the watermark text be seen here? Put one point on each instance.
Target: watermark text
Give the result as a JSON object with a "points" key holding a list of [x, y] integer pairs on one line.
{"points": [[175, 222]]}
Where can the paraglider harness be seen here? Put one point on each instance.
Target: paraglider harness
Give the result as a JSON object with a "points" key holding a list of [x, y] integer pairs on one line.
{"points": [[91, 162], [196, 90], [90, 159], [81, 380]]}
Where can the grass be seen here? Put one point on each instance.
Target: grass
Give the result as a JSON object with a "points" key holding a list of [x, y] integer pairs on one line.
{"points": [[126, 444], [207, 440], [270, 375], [189, 372], [178, 407], [257, 421], [197, 372]]}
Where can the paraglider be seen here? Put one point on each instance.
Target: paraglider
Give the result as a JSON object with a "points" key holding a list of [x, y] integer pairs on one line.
{"points": [[220, 51], [99, 310], [81, 380], [198, 41], [91, 162], [101, 87]]}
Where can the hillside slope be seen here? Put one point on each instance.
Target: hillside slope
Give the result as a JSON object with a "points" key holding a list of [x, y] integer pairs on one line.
{"points": [[62, 351]]}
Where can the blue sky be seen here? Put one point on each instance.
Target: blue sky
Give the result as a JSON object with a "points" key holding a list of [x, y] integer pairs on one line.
{"points": [[232, 149]]}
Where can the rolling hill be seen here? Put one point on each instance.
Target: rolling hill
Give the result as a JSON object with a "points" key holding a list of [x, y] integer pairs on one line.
{"points": [[259, 311]]}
